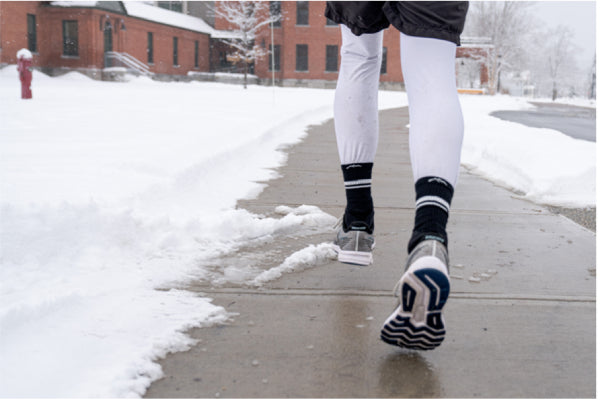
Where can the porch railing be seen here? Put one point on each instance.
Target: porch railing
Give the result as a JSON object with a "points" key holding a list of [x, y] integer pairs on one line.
{"points": [[116, 59]]}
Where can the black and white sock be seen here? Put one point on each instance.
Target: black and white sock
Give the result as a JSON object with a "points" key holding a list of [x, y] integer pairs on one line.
{"points": [[359, 214], [434, 196]]}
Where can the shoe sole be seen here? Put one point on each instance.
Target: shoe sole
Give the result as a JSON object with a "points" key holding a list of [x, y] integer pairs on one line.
{"points": [[417, 323], [354, 257]]}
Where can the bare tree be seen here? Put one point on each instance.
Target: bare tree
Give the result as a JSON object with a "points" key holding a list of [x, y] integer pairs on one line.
{"points": [[592, 81], [560, 52], [508, 24], [246, 18]]}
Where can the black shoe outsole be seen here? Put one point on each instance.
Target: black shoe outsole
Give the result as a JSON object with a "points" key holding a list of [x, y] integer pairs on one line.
{"points": [[400, 331]]}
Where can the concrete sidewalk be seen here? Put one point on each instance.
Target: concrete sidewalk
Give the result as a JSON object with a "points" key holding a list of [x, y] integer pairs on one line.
{"points": [[526, 330]]}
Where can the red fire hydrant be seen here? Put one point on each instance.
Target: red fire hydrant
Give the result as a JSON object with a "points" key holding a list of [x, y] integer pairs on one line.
{"points": [[24, 61]]}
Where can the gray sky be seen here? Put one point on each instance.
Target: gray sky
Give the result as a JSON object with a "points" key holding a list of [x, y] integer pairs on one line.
{"points": [[579, 16]]}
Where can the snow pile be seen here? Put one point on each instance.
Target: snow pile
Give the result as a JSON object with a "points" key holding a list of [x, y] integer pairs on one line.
{"points": [[545, 165], [299, 261]]}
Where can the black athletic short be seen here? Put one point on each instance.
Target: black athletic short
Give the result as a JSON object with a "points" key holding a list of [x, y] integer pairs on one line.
{"points": [[432, 19]]}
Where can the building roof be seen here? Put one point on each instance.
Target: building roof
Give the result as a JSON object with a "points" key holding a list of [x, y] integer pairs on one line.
{"points": [[156, 14], [475, 41], [149, 12]]}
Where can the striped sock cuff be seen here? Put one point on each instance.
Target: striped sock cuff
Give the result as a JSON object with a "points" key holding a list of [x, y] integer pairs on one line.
{"points": [[433, 201], [357, 184], [434, 191]]}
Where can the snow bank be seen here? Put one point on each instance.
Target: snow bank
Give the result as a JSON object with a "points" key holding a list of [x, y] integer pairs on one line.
{"points": [[545, 165]]}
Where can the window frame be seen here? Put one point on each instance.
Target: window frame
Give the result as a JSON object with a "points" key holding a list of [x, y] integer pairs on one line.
{"points": [[150, 48], [70, 45], [298, 58], [383, 69], [176, 51], [275, 7], [275, 50], [330, 51], [32, 33], [300, 10]]}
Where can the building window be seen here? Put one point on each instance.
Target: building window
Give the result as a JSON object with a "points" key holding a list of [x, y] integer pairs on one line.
{"points": [[302, 57], [150, 49], [175, 52], [275, 57], [302, 13], [223, 63], [384, 61], [171, 5], [70, 39], [31, 33], [196, 54], [275, 11], [331, 58]]}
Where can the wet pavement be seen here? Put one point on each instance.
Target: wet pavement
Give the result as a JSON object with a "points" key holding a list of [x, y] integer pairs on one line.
{"points": [[577, 122], [520, 318]]}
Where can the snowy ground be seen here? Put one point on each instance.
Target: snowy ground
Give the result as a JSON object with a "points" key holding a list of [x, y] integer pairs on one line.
{"points": [[113, 193]]}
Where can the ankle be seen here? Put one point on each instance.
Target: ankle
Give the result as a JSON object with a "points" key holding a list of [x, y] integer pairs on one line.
{"points": [[359, 203], [433, 198]]}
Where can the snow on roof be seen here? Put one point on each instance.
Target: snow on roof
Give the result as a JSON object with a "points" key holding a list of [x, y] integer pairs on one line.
{"points": [[149, 12], [167, 17], [73, 3]]}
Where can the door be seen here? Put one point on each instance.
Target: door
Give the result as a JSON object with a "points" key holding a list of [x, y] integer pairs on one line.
{"points": [[108, 44]]}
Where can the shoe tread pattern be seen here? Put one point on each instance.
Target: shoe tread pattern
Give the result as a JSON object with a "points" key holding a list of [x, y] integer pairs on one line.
{"points": [[400, 330]]}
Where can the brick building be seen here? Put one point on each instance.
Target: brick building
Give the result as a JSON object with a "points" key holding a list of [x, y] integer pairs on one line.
{"points": [[184, 37], [305, 48], [78, 36]]}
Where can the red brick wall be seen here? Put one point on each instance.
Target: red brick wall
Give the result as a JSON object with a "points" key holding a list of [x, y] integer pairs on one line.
{"points": [[13, 28], [136, 39], [50, 40], [133, 40]]}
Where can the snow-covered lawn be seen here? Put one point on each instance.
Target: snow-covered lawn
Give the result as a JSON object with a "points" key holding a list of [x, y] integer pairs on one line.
{"points": [[546, 165], [113, 193]]}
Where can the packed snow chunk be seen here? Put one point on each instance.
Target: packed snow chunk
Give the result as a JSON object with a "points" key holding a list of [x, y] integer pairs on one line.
{"points": [[308, 257], [310, 216]]}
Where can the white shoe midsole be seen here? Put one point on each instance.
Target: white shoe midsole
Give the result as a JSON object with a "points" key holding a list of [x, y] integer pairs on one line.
{"points": [[354, 257]]}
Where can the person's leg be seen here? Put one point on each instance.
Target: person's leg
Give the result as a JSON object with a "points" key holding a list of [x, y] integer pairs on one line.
{"points": [[436, 131], [356, 121], [357, 131]]}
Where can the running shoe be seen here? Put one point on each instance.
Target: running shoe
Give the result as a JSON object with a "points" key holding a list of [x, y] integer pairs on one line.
{"points": [[355, 245], [417, 321]]}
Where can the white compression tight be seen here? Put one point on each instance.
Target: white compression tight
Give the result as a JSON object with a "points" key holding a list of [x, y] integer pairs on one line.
{"points": [[436, 122]]}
